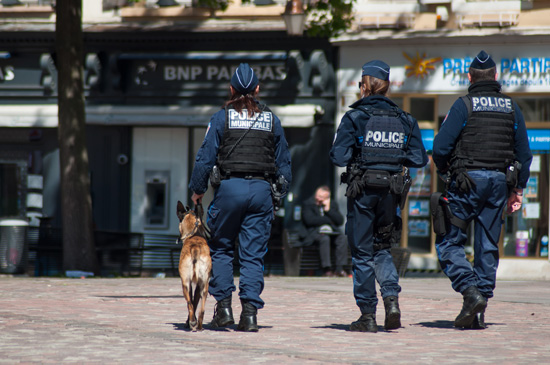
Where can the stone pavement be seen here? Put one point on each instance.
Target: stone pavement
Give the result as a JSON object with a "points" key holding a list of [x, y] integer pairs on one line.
{"points": [[305, 321]]}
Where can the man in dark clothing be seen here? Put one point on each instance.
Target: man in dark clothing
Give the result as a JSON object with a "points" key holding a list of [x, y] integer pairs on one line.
{"points": [[321, 218], [477, 151]]}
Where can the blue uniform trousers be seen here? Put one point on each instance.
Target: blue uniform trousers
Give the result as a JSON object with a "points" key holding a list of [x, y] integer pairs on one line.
{"points": [[483, 204], [241, 209], [369, 210]]}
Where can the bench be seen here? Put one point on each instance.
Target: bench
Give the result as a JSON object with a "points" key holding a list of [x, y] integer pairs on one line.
{"points": [[305, 260], [118, 253]]}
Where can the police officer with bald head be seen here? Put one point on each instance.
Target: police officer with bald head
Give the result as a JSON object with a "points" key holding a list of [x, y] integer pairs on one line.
{"points": [[246, 149], [483, 154]]}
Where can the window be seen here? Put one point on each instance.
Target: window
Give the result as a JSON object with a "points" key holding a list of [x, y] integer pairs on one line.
{"points": [[534, 109], [10, 190]]}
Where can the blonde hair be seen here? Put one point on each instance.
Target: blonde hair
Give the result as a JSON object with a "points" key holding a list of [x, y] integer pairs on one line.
{"points": [[374, 86]]}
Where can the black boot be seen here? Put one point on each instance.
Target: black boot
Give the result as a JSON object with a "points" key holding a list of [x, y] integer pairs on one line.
{"points": [[365, 323], [248, 321], [474, 303], [223, 314], [393, 314], [478, 322]]}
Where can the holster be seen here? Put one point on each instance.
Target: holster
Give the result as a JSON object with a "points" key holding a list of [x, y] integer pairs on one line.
{"points": [[512, 173], [442, 215], [400, 185], [215, 177], [439, 216]]}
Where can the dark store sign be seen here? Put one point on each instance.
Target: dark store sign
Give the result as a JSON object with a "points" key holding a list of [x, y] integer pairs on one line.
{"points": [[21, 73], [218, 73], [7, 73]]}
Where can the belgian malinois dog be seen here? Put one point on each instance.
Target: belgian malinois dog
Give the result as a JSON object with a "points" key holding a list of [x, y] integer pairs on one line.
{"points": [[195, 263]]}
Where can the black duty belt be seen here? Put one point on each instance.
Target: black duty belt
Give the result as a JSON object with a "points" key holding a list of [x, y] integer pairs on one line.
{"points": [[246, 175]]}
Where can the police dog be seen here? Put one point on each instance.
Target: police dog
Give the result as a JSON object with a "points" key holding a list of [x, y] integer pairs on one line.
{"points": [[195, 263]]}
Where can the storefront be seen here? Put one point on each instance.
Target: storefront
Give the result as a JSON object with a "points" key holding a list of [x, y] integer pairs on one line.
{"points": [[147, 110], [427, 76]]}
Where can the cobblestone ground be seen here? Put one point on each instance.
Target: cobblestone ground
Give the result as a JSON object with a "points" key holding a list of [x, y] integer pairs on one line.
{"points": [[305, 321]]}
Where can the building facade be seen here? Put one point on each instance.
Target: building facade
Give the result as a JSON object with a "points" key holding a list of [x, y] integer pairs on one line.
{"points": [[156, 70], [429, 46]]}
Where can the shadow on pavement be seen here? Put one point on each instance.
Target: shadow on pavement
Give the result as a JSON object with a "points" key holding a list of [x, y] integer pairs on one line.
{"points": [[345, 327], [140, 296], [206, 327], [436, 324]]}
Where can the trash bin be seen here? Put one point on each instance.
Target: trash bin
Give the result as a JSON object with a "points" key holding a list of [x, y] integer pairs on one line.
{"points": [[13, 246]]}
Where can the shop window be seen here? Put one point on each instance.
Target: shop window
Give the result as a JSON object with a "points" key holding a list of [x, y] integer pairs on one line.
{"points": [[156, 211], [534, 109], [526, 232], [10, 190], [419, 225], [423, 109]]}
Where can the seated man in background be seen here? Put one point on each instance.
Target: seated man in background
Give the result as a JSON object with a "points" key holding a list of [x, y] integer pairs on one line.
{"points": [[321, 219]]}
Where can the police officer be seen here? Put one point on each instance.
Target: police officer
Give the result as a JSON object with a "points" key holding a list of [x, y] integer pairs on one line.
{"points": [[246, 147], [479, 145], [375, 140]]}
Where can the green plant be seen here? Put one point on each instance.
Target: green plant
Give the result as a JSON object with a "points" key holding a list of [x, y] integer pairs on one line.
{"points": [[329, 17]]}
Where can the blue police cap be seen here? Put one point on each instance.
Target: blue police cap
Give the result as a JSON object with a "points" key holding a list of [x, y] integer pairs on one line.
{"points": [[244, 79], [482, 61], [377, 69]]}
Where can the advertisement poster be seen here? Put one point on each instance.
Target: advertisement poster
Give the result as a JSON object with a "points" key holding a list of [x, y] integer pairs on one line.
{"points": [[419, 228], [419, 208], [531, 211], [531, 189], [421, 181]]}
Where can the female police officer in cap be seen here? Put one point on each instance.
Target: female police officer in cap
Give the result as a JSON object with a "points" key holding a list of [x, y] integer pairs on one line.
{"points": [[246, 142], [375, 140]]}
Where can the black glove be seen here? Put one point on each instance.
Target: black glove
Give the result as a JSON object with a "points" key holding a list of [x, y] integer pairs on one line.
{"points": [[355, 186]]}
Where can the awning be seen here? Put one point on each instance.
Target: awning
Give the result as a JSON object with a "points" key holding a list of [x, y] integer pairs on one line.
{"points": [[45, 116]]}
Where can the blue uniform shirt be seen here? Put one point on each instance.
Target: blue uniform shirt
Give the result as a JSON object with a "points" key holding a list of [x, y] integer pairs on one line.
{"points": [[347, 142], [456, 119], [208, 152]]}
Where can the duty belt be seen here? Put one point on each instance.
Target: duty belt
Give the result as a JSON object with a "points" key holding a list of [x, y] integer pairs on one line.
{"points": [[246, 175]]}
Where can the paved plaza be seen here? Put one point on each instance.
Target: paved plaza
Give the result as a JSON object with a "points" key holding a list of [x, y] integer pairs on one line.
{"points": [[305, 321]]}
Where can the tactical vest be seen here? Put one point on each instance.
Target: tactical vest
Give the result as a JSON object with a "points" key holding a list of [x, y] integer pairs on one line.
{"points": [[248, 144], [385, 139], [487, 139]]}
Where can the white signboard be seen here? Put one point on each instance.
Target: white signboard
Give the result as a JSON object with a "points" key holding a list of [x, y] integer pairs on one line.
{"points": [[425, 69]]}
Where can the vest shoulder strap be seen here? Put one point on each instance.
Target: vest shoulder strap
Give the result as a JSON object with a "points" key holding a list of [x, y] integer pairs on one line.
{"points": [[466, 99]]}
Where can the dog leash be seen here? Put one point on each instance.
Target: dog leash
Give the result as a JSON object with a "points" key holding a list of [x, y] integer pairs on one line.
{"points": [[199, 211]]}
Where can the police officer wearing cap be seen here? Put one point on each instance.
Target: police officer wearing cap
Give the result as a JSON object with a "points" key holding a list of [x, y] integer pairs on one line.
{"points": [[479, 149], [245, 147], [375, 140]]}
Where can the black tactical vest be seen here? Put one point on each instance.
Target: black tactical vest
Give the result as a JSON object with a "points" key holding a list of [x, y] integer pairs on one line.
{"points": [[385, 139], [487, 140], [248, 144]]}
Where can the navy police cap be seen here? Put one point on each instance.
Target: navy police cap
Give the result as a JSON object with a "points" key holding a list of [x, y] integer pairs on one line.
{"points": [[377, 69], [244, 79], [482, 61]]}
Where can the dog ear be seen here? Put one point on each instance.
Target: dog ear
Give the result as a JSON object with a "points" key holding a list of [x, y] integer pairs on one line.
{"points": [[180, 211]]}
